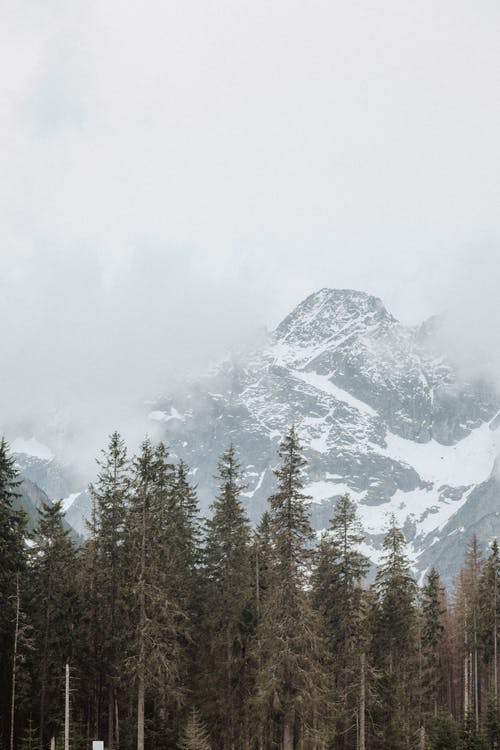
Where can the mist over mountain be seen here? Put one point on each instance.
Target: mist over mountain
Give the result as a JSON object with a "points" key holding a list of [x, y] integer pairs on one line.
{"points": [[384, 412]]}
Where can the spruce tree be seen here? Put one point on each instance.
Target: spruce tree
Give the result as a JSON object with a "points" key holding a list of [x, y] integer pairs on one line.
{"points": [[55, 613], [338, 596], [489, 615], [155, 615], [394, 647], [469, 624], [443, 733], [433, 611], [292, 685], [195, 736], [110, 496], [229, 599], [12, 563]]}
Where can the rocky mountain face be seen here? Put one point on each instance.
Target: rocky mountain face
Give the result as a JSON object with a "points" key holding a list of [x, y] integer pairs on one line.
{"points": [[381, 412]]}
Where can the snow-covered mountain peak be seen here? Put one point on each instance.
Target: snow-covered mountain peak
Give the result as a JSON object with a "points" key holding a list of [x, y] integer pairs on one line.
{"points": [[382, 414], [329, 313]]}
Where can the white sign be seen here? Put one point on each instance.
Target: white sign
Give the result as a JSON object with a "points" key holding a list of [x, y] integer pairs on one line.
{"points": [[97, 745]]}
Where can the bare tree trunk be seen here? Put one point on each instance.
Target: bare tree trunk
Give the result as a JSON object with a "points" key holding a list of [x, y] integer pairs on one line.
{"points": [[476, 673], [288, 734], [421, 744], [117, 723], [14, 668], [43, 676], [111, 711], [141, 667], [362, 705], [466, 685], [229, 678], [257, 581], [66, 711], [495, 645]]}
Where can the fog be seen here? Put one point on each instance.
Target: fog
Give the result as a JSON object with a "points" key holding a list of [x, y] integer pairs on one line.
{"points": [[177, 176]]}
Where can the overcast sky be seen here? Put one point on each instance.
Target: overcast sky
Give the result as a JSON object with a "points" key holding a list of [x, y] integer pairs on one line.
{"points": [[175, 175]]}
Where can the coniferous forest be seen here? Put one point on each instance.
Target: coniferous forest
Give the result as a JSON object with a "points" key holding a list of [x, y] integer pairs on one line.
{"points": [[193, 633]]}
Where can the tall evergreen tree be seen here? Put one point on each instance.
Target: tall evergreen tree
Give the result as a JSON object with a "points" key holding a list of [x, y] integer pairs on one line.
{"points": [[468, 615], [195, 736], [338, 596], [110, 495], [155, 615], [12, 562], [292, 684], [395, 647], [228, 568], [55, 613], [433, 610], [489, 615]]}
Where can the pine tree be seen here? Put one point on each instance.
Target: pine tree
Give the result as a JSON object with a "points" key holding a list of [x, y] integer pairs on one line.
{"points": [[395, 646], [155, 615], [492, 723], [489, 614], [195, 735], [12, 563], [468, 614], [55, 612], [443, 733], [433, 610], [30, 739], [338, 596], [471, 738], [291, 676], [229, 599], [110, 495]]}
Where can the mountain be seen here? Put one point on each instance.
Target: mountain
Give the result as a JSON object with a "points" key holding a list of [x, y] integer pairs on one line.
{"points": [[382, 412]]}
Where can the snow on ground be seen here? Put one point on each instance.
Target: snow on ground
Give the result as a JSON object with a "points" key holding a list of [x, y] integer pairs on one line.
{"points": [[323, 490], [423, 507], [31, 447], [251, 493], [468, 462], [323, 383], [67, 502]]}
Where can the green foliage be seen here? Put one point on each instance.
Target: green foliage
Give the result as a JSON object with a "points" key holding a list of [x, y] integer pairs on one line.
{"points": [[292, 685], [195, 736], [471, 737], [30, 739], [433, 610], [338, 597], [443, 733], [492, 722], [395, 647], [229, 597], [55, 611]]}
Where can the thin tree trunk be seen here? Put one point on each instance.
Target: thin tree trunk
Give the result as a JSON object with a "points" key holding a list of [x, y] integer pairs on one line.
{"points": [[257, 582], [111, 710], [229, 704], [476, 680], [287, 734], [43, 670], [14, 669], [362, 705], [495, 646], [66, 711], [141, 667], [117, 723], [466, 685]]}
